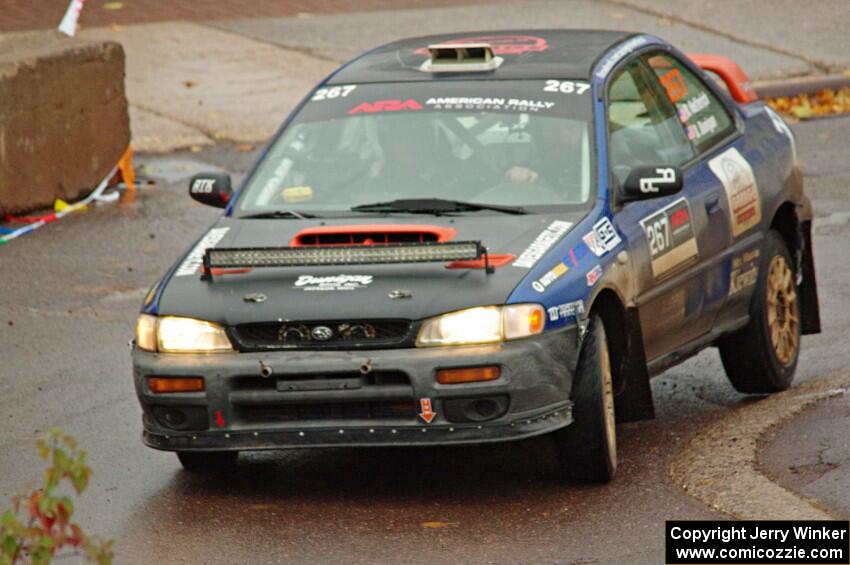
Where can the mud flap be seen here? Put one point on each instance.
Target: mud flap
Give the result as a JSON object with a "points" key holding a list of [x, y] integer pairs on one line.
{"points": [[808, 288], [633, 401]]}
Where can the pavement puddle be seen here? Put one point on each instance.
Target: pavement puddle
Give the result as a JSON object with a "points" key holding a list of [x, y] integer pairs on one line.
{"points": [[720, 467]]}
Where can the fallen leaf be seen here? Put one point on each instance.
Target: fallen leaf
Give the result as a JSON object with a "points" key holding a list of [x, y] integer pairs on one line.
{"points": [[244, 148], [190, 83], [436, 525], [113, 5]]}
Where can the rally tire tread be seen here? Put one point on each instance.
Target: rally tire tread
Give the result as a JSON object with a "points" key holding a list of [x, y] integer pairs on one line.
{"points": [[582, 446]]}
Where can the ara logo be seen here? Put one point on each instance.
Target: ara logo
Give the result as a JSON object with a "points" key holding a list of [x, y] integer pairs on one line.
{"points": [[385, 106]]}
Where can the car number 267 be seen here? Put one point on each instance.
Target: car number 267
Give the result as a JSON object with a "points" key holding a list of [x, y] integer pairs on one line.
{"points": [[658, 234]]}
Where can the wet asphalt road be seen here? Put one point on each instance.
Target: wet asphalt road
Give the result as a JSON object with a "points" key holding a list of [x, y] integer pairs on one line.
{"points": [[70, 293]]}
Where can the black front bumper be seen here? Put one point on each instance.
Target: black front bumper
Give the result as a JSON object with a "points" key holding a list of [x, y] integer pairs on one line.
{"points": [[240, 410]]}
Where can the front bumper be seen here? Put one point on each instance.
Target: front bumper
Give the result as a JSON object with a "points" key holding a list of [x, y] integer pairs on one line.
{"points": [[323, 398]]}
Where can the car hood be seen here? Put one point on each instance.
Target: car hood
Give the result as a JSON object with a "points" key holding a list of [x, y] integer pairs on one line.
{"points": [[353, 291]]}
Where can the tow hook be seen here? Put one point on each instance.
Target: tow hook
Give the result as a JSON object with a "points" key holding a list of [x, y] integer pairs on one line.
{"points": [[265, 370]]}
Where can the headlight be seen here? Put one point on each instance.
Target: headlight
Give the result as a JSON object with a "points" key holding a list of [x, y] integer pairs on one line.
{"points": [[486, 324], [180, 335]]}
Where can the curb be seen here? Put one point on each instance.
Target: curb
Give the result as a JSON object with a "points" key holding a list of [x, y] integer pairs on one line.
{"points": [[720, 466], [802, 85]]}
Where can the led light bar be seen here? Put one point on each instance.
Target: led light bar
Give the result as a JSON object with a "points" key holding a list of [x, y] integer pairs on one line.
{"points": [[242, 257]]}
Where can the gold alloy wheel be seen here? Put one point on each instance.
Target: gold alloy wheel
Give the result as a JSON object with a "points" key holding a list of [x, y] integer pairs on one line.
{"points": [[608, 403], [782, 310]]}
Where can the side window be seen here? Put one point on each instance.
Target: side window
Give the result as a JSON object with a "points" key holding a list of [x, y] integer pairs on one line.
{"points": [[643, 128], [704, 117]]}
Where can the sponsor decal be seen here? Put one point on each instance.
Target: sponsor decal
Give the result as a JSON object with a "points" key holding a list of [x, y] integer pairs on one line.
{"points": [[501, 44], [332, 92], [385, 106], [674, 85], [542, 243], [332, 283], [692, 106], [564, 311], [614, 56], [736, 175], [666, 175], [745, 271], [593, 275], [566, 86], [551, 276], [603, 238], [487, 103], [702, 128], [670, 235], [577, 253], [195, 258]]}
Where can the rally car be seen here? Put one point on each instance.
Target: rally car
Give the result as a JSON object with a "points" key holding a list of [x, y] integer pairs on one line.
{"points": [[484, 237]]}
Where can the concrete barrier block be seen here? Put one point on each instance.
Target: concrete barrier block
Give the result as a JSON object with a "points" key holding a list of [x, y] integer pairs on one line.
{"points": [[63, 117]]}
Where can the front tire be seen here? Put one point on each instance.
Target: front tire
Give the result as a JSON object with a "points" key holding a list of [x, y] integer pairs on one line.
{"points": [[207, 462], [761, 357], [587, 448]]}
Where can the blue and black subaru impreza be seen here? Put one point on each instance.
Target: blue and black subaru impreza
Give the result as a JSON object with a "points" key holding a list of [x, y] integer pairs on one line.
{"points": [[484, 237]]}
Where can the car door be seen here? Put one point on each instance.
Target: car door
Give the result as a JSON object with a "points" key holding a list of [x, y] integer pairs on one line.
{"points": [[672, 238], [721, 181]]}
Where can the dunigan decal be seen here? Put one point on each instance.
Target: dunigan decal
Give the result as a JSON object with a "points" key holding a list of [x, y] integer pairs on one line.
{"points": [[195, 258], [670, 235], [332, 283], [565, 311], [593, 275], [745, 271], [551, 276], [542, 243], [738, 180], [603, 238]]}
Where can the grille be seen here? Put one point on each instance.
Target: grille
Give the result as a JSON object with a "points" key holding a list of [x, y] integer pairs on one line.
{"points": [[326, 411], [336, 334]]}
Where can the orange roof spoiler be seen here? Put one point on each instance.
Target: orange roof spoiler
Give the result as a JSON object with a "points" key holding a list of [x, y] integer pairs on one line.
{"points": [[737, 81]]}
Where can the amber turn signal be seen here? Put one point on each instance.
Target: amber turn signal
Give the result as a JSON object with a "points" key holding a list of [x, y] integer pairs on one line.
{"points": [[163, 385], [468, 375]]}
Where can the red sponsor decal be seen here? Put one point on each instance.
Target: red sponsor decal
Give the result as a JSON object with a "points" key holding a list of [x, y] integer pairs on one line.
{"points": [[674, 84], [679, 218], [501, 44], [385, 106]]}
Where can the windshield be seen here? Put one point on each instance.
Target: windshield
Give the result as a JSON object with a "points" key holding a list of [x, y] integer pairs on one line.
{"points": [[509, 143]]}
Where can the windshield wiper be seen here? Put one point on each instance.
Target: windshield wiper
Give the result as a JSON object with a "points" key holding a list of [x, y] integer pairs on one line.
{"points": [[279, 214], [434, 206]]}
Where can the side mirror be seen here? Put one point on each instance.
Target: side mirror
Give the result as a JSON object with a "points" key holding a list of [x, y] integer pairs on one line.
{"points": [[212, 189], [652, 182]]}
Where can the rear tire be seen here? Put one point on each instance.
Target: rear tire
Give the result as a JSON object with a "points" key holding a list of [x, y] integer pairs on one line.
{"points": [[587, 448], [761, 357], [207, 462]]}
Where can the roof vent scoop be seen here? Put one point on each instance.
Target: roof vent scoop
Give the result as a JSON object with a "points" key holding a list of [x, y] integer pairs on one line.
{"points": [[461, 58]]}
